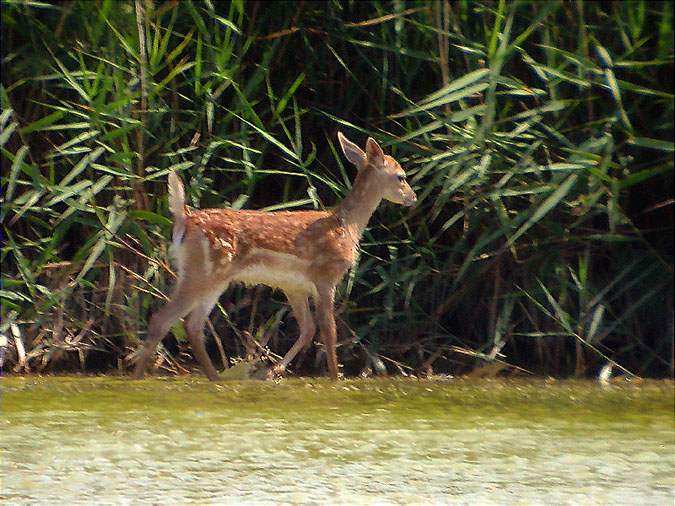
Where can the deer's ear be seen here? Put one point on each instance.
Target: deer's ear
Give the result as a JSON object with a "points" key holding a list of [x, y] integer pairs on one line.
{"points": [[374, 152], [353, 153]]}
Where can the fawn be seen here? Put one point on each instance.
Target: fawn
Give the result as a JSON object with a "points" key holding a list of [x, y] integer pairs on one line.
{"points": [[303, 253]]}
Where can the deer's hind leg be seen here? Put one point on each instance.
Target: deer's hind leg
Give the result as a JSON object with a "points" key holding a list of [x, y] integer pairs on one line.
{"points": [[196, 290], [160, 323], [218, 270], [194, 327]]}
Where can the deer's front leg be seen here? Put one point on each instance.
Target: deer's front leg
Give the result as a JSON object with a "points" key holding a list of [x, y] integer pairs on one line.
{"points": [[300, 305], [326, 317]]}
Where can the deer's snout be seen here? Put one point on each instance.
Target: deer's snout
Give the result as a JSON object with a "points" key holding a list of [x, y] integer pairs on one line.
{"points": [[410, 199]]}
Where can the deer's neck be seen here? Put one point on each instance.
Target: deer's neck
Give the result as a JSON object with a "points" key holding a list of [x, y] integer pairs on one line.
{"points": [[360, 204]]}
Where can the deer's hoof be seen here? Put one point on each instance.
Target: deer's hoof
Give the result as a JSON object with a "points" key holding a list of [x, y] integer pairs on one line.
{"points": [[276, 373]]}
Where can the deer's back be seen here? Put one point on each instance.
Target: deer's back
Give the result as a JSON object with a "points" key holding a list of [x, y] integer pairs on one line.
{"points": [[276, 248]]}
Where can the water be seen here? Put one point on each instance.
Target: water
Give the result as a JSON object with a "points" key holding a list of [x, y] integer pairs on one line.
{"points": [[91, 440]]}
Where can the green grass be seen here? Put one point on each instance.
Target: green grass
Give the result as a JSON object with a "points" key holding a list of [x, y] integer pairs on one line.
{"points": [[538, 136]]}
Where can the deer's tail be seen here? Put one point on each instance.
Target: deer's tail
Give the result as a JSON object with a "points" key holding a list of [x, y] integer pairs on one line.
{"points": [[177, 208]]}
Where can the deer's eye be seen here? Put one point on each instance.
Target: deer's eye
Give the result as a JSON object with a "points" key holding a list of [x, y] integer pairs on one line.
{"points": [[401, 179]]}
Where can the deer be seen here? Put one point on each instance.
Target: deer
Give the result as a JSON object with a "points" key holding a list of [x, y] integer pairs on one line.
{"points": [[303, 253]]}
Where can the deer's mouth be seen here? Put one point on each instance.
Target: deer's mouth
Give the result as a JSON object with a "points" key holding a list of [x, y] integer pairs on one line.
{"points": [[410, 201]]}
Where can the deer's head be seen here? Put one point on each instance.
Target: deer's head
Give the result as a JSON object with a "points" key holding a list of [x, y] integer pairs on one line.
{"points": [[387, 173]]}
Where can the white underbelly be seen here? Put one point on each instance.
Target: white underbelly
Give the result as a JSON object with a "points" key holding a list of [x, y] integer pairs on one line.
{"points": [[277, 270]]}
